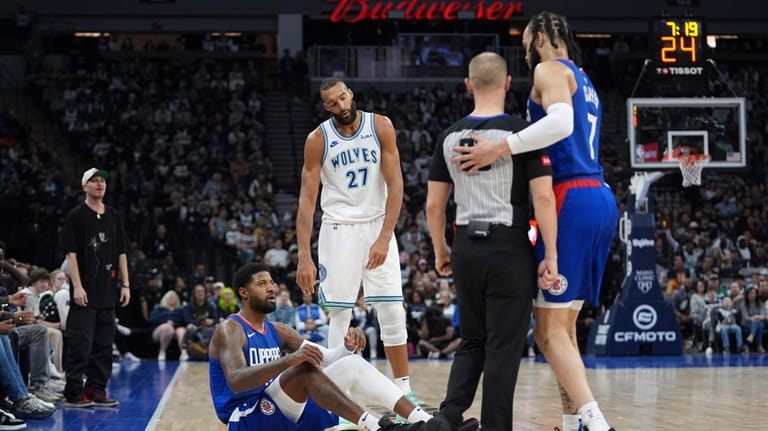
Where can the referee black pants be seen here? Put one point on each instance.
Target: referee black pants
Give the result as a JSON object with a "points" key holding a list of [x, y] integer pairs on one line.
{"points": [[494, 278], [88, 348]]}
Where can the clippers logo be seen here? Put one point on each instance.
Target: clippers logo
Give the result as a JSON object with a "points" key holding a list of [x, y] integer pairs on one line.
{"points": [[266, 407], [644, 317], [545, 161], [559, 286]]}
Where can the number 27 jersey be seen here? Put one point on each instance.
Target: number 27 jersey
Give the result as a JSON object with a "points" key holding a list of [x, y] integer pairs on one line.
{"points": [[354, 190], [577, 155]]}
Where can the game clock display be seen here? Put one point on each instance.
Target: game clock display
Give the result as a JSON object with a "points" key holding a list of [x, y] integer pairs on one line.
{"points": [[677, 46]]}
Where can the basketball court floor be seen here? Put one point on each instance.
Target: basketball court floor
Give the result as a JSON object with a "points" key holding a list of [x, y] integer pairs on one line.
{"points": [[636, 393]]}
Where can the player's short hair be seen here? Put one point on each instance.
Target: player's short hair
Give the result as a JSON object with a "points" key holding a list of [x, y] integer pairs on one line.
{"points": [[487, 69], [328, 83], [244, 273]]}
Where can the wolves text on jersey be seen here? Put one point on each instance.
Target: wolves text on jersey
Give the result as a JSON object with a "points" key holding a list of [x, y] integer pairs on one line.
{"points": [[354, 155]]}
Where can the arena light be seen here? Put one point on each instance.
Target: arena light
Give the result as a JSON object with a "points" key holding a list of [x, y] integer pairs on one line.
{"points": [[593, 35], [90, 34]]}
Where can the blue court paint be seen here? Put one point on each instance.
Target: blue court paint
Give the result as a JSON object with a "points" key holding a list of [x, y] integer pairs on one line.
{"points": [[138, 386]]}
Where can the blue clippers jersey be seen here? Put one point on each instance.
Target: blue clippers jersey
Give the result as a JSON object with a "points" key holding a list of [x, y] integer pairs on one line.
{"points": [[576, 155], [260, 348]]}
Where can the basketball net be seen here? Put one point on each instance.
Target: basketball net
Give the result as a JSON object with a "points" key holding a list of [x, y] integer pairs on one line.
{"points": [[691, 166]]}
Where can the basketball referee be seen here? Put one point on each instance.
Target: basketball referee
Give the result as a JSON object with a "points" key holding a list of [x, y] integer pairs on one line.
{"points": [[492, 259]]}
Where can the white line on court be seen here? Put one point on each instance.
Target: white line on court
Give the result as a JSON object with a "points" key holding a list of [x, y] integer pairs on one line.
{"points": [[167, 394]]}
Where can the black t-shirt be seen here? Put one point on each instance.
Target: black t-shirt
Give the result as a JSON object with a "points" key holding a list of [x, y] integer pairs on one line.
{"points": [[7, 282], [98, 241]]}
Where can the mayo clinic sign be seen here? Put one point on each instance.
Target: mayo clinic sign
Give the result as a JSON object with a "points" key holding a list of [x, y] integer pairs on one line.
{"points": [[352, 11]]}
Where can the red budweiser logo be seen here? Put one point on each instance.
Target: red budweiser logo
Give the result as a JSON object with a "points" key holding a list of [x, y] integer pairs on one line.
{"points": [[360, 10]]}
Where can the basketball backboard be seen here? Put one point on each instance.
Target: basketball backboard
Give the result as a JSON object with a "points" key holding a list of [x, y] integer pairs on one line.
{"points": [[660, 129]]}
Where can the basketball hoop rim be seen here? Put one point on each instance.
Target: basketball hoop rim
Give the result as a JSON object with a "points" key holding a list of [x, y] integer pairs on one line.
{"points": [[693, 159]]}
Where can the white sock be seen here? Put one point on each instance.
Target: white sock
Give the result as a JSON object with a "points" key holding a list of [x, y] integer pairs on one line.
{"points": [[593, 418], [369, 422], [404, 384], [571, 423], [418, 415]]}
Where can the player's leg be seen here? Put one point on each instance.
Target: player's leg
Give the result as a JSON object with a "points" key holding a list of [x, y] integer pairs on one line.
{"points": [[557, 308], [293, 388], [469, 360], [365, 382], [382, 287], [341, 256]]}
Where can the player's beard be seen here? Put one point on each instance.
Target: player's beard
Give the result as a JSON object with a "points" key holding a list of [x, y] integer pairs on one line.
{"points": [[533, 60], [348, 120], [262, 305]]}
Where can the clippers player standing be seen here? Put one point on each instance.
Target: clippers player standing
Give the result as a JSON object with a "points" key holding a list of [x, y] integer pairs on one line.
{"points": [[354, 155], [566, 112]]}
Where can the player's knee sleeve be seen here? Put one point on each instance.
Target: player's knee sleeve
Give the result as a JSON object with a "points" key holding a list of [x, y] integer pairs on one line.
{"points": [[392, 323], [363, 381], [338, 326], [291, 408]]}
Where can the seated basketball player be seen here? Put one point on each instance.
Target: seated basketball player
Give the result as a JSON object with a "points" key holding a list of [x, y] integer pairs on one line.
{"points": [[264, 375]]}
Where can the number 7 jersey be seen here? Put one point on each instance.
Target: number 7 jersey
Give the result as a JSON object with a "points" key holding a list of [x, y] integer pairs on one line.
{"points": [[577, 155], [354, 190]]}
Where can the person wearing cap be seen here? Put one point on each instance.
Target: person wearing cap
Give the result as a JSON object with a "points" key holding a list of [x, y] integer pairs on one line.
{"points": [[96, 246]]}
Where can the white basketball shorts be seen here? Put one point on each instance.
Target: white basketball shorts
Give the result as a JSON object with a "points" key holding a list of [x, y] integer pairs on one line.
{"points": [[342, 252]]}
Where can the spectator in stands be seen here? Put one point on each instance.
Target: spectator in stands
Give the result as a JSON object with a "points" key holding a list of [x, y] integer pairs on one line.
{"points": [[11, 277], [285, 66], [227, 303], [39, 284], [728, 324], [435, 333], [24, 405], [309, 308], [698, 314], [311, 333], [285, 312], [364, 317], [169, 321], [277, 256], [753, 318], [199, 312], [33, 343]]}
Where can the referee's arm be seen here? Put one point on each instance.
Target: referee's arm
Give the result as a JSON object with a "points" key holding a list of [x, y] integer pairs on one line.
{"points": [[437, 198]]}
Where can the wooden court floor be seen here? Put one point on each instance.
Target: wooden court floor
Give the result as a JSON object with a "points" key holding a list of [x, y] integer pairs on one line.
{"points": [[679, 393]]}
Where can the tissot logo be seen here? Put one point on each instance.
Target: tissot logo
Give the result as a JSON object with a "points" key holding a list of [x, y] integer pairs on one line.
{"points": [[680, 70], [360, 10]]}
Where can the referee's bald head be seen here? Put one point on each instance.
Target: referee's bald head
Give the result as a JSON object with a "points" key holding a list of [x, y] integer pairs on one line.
{"points": [[487, 70]]}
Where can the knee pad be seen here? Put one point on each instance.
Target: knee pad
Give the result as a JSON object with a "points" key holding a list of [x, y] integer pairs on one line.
{"points": [[392, 323]]}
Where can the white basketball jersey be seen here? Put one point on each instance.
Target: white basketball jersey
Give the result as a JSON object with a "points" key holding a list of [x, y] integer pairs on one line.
{"points": [[354, 190]]}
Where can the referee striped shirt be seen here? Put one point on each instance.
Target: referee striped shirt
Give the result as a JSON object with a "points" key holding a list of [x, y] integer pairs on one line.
{"points": [[498, 193]]}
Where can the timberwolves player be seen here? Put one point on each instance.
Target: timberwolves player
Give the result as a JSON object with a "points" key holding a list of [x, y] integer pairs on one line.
{"points": [[265, 376], [566, 112], [354, 155]]}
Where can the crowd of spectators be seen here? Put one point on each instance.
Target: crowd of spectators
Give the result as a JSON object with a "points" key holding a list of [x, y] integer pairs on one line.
{"points": [[184, 144]]}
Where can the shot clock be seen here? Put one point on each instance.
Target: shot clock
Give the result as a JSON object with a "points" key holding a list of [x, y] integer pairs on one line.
{"points": [[677, 46]]}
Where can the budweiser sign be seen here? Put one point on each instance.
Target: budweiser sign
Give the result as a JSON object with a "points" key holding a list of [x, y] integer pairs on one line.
{"points": [[360, 10]]}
